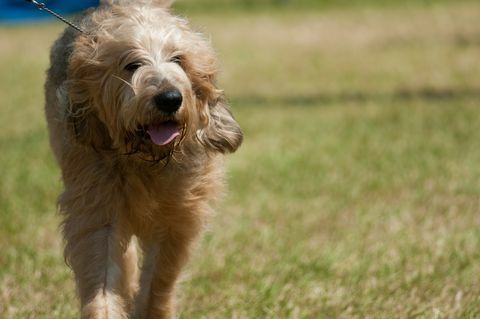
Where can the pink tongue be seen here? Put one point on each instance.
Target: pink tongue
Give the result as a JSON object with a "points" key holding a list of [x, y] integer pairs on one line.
{"points": [[164, 133]]}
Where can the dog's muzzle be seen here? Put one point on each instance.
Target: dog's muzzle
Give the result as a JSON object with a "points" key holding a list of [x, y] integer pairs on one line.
{"points": [[167, 102]]}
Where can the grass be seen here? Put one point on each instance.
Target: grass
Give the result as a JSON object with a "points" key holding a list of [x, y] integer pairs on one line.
{"points": [[355, 195], [255, 5]]}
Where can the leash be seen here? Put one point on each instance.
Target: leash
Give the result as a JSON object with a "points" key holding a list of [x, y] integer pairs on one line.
{"points": [[43, 7]]}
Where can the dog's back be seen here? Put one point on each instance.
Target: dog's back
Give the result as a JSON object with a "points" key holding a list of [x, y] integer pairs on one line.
{"points": [[56, 99]]}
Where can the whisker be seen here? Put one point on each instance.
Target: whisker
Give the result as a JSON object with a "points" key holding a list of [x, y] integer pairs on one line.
{"points": [[124, 81]]}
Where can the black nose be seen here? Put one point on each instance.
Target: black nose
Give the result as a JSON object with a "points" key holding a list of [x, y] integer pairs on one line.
{"points": [[168, 101]]}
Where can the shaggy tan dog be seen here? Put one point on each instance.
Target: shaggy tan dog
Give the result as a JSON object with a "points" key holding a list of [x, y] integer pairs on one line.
{"points": [[139, 129]]}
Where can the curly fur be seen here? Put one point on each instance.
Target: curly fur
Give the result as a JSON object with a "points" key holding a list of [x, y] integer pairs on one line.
{"points": [[122, 192]]}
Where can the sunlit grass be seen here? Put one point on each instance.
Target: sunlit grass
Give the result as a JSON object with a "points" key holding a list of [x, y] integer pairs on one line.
{"points": [[356, 193]]}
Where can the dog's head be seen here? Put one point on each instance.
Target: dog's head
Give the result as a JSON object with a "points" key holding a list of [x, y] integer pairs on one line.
{"points": [[140, 81]]}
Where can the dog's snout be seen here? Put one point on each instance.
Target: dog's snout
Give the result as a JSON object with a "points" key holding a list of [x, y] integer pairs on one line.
{"points": [[168, 101]]}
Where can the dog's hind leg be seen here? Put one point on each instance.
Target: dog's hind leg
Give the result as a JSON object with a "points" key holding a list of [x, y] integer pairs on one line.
{"points": [[97, 253]]}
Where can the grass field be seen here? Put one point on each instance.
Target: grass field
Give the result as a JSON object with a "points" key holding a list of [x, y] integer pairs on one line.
{"points": [[355, 195]]}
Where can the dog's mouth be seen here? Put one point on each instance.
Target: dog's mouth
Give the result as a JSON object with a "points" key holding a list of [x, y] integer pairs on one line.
{"points": [[156, 139], [163, 133]]}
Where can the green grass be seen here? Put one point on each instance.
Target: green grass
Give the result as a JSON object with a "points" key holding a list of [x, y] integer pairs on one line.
{"points": [[255, 5], [355, 195]]}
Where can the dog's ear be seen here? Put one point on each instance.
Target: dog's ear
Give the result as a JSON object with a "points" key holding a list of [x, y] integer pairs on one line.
{"points": [[87, 129], [84, 76], [82, 122], [222, 134]]}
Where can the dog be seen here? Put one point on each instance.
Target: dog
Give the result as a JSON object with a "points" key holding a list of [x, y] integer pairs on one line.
{"points": [[139, 129]]}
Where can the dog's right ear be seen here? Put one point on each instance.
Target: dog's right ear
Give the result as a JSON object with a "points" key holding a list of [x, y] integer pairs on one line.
{"points": [[84, 76], [83, 125], [86, 128]]}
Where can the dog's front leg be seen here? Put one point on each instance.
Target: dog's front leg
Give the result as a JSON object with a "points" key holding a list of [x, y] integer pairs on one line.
{"points": [[164, 259], [97, 252]]}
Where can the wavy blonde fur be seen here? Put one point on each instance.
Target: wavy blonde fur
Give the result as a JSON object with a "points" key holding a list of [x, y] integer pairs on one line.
{"points": [[124, 195]]}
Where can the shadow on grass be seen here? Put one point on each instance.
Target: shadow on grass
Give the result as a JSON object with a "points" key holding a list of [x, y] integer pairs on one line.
{"points": [[401, 95]]}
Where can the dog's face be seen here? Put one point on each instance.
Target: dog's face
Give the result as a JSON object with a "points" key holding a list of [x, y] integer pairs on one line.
{"points": [[140, 81]]}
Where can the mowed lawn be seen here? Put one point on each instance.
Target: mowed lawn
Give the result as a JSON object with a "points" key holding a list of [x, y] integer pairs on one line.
{"points": [[355, 195]]}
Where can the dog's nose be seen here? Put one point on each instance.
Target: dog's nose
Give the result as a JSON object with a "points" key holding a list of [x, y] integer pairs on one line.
{"points": [[168, 101]]}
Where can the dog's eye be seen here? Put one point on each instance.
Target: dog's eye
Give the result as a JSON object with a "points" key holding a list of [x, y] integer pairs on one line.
{"points": [[131, 67], [178, 59]]}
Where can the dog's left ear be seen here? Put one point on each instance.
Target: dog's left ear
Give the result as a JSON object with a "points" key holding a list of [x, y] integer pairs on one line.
{"points": [[222, 134]]}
